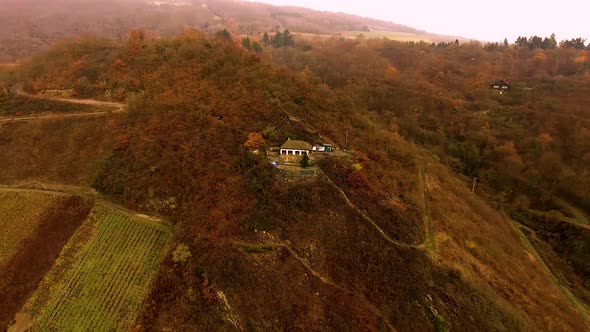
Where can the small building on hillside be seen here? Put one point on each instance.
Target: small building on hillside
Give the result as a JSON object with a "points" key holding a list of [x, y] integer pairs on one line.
{"points": [[323, 148], [295, 148], [501, 85]]}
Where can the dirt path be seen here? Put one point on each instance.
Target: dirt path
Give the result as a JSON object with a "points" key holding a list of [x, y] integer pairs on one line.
{"points": [[372, 222], [429, 242], [69, 191], [555, 280], [118, 108], [580, 217], [324, 279]]}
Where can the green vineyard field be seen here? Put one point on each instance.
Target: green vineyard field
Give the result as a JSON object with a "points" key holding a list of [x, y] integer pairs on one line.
{"points": [[102, 275], [20, 215]]}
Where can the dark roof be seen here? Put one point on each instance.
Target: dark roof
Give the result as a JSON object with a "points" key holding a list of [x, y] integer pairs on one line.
{"points": [[296, 145], [501, 83]]}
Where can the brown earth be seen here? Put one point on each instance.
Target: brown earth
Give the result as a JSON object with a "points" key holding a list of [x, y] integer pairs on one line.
{"points": [[70, 155], [27, 268]]}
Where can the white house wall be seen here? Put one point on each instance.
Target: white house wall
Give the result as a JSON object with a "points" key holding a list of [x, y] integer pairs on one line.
{"points": [[291, 152]]}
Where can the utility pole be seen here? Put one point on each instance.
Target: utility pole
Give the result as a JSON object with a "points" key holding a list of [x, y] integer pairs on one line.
{"points": [[473, 187]]}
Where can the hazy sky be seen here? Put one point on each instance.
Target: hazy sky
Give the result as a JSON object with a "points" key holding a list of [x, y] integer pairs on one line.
{"points": [[485, 20]]}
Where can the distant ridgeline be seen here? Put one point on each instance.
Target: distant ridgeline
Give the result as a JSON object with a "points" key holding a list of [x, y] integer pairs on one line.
{"points": [[173, 3]]}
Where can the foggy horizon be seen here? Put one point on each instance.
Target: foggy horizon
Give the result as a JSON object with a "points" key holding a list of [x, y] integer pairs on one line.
{"points": [[485, 21]]}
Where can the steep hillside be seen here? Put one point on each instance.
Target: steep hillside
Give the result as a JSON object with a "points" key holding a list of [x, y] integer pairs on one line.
{"points": [[386, 236], [72, 154]]}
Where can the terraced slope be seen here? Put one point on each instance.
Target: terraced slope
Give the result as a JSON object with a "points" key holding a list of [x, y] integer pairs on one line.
{"points": [[20, 215], [34, 227], [102, 275]]}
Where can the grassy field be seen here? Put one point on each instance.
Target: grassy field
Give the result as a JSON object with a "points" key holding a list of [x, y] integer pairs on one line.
{"points": [[101, 276], [399, 36], [70, 152], [20, 215], [374, 34], [34, 227]]}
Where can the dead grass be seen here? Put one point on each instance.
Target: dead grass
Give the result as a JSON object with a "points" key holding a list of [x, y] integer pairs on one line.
{"points": [[481, 243], [65, 151], [21, 213]]}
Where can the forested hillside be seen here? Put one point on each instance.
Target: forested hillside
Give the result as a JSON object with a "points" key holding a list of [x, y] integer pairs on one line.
{"points": [[387, 236], [27, 26]]}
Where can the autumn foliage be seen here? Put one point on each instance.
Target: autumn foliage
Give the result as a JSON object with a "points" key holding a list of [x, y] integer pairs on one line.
{"points": [[197, 105], [255, 141]]}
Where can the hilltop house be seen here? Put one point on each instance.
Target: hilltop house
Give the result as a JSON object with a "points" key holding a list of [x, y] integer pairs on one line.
{"points": [[295, 148], [500, 85]]}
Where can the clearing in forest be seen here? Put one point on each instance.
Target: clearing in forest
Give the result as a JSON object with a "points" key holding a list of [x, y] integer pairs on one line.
{"points": [[21, 213], [102, 274]]}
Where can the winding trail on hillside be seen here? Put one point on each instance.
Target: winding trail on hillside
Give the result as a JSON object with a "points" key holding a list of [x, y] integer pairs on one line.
{"points": [[324, 279], [429, 241], [366, 217], [427, 244], [118, 108], [565, 291]]}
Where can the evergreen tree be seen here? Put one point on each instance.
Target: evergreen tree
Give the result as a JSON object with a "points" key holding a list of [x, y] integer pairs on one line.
{"points": [[304, 161], [288, 38], [265, 39], [550, 43], [246, 43], [522, 42], [505, 41], [224, 34], [577, 43], [277, 40], [535, 42], [256, 47]]}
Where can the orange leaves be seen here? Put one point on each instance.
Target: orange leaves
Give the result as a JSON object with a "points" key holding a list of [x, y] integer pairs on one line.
{"points": [[190, 33], [509, 156], [545, 140], [540, 56], [119, 64], [358, 180], [391, 73], [255, 141], [122, 141], [207, 291], [582, 59], [120, 94]]}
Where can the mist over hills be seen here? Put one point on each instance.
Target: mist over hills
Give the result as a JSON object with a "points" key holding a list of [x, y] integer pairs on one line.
{"points": [[30, 25]]}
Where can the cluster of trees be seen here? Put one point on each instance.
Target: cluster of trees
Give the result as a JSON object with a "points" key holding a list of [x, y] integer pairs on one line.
{"points": [[577, 43], [443, 44], [279, 39], [536, 42], [251, 45]]}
